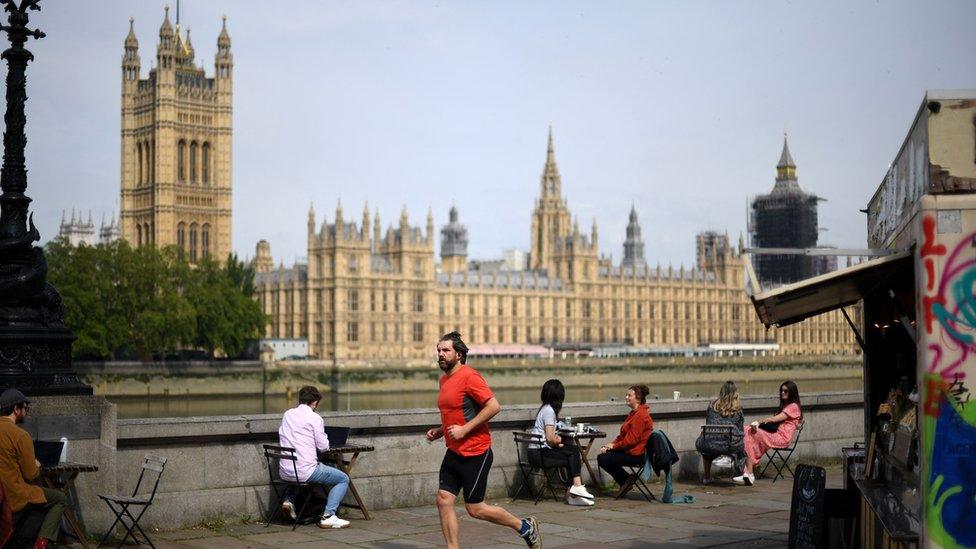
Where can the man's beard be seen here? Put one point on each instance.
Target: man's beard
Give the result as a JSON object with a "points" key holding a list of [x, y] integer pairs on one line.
{"points": [[444, 366]]}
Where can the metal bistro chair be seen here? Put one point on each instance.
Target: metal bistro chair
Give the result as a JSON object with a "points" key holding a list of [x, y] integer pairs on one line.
{"points": [[636, 471], [530, 464], [273, 454], [721, 436], [783, 455], [119, 504]]}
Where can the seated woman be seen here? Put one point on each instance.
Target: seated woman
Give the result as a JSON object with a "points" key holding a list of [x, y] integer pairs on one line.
{"points": [[552, 452], [628, 447], [758, 440], [725, 410]]}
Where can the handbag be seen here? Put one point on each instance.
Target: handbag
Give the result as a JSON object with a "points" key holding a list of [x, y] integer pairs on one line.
{"points": [[769, 427]]}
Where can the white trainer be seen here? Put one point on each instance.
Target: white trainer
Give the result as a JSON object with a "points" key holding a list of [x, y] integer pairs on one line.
{"points": [[580, 491], [333, 521], [580, 501], [744, 480]]}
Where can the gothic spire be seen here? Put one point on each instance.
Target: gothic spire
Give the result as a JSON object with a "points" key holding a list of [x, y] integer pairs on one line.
{"points": [[131, 42], [551, 181], [786, 171]]}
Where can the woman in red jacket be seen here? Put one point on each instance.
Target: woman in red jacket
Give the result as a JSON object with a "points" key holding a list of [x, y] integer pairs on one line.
{"points": [[628, 447]]}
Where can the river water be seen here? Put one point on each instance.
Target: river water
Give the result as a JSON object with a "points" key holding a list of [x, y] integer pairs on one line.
{"points": [[185, 406]]}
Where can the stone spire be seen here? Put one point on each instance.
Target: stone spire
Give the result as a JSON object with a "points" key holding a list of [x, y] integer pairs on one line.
{"points": [[454, 244], [364, 230], [551, 181], [311, 217], [131, 42], [786, 171], [633, 245]]}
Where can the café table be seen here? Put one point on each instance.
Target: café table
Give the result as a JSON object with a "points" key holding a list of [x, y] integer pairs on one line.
{"points": [[584, 441], [62, 477], [337, 456]]}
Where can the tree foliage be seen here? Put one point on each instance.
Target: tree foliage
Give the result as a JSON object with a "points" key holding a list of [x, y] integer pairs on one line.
{"points": [[123, 301]]}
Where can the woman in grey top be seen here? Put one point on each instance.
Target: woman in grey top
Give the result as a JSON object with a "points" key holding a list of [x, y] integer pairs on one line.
{"points": [[725, 410], [551, 452]]}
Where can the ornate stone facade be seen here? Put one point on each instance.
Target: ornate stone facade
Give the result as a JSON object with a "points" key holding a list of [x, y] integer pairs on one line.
{"points": [[367, 294], [176, 146]]}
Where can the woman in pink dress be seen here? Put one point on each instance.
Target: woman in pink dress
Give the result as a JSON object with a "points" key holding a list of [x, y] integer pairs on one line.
{"points": [[757, 441]]}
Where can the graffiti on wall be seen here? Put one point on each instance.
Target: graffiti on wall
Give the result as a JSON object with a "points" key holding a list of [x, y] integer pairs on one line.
{"points": [[949, 441]]}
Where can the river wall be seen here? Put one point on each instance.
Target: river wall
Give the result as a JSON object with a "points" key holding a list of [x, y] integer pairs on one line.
{"points": [[227, 378], [216, 467]]}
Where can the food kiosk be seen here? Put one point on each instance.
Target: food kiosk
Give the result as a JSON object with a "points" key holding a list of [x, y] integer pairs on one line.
{"points": [[917, 330]]}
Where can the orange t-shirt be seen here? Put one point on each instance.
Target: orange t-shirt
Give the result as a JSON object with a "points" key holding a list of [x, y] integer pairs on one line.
{"points": [[463, 394]]}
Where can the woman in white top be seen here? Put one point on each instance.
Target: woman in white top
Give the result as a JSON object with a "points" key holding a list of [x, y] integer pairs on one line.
{"points": [[551, 452]]}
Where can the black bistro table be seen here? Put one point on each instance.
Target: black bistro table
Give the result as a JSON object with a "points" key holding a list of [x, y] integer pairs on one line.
{"points": [[584, 441], [344, 457], [62, 477]]}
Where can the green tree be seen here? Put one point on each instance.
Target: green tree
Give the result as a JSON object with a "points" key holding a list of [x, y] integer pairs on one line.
{"points": [[226, 317]]}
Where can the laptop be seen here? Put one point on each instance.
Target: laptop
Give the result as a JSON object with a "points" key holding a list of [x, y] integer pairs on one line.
{"points": [[337, 435], [48, 452]]}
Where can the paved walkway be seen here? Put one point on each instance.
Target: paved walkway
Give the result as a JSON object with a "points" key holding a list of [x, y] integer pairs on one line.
{"points": [[722, 515]]}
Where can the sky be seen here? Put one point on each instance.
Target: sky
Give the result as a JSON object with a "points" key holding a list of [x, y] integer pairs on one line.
{"points": [[676, 108]]}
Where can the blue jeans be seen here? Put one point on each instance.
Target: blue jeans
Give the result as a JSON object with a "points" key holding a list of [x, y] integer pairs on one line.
{"points": [[329, 476]]}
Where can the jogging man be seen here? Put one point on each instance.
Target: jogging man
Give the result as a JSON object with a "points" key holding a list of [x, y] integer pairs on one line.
{"points": [[466, 404]]}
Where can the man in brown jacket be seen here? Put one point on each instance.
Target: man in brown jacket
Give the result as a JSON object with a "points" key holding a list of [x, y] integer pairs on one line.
{"points": [[18, 467]]}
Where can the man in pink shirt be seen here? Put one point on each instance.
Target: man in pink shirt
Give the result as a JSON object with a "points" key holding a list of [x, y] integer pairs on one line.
{"points": [[303, 429]]}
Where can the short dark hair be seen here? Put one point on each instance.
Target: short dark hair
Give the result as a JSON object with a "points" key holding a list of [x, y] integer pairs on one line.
{"points": [[459, 346], [7, 410], [309, 394], [641, 392]]}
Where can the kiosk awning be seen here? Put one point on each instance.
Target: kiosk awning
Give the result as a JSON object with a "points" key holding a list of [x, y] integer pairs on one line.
{"points": [[801, 300]]}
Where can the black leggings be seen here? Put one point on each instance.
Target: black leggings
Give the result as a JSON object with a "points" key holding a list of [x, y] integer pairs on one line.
{"points": [[613, 462], [564, 456]]}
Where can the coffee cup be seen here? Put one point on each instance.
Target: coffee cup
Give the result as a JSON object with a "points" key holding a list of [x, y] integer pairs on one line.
{"points": [[677, 395], [580, 428]]}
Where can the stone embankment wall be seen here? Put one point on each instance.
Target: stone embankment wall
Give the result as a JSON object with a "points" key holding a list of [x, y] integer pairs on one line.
{"points": [[227, 378], [216, 465]]}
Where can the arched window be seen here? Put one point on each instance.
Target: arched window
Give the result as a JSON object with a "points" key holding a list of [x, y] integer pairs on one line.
{"points": [[150, 237], [147, 150], [138, 235], [181, 237], [181, 161], [193, 163], [139, 180], [193, 242], [205, 240], [205, 163]]}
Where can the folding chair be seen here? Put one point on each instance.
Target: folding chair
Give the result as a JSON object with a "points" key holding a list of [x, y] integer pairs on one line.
{"points": [[530, 465], [119, 504], [720, 436], [274, 454], [783, 454], [635, 480]]}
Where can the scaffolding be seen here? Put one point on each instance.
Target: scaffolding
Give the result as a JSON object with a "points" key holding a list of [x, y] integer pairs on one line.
{"points": [[784, 218]]}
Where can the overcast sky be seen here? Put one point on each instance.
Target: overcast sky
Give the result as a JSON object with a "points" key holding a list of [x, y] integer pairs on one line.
{"points": [[676, 107]]}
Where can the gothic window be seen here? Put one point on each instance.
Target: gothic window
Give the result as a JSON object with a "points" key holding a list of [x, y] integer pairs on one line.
{"points": [[352, 264], [418, 332], [149, 233], [418, 267], [205, 240], [440, 304], [151, 160], [193, 242], [181, 161], [193, 162], [138, 235], [470, 305], [205, 163], [418, 302], [396, 305], [353, 300], [181, 237], [139, 179], [352, 332], [457, 306]]}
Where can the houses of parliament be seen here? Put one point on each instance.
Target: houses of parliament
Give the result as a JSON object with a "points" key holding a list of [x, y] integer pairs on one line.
{"points": [[367, 292]]}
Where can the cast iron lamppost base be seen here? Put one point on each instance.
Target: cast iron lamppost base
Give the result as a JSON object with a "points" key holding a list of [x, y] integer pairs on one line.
{"points": [[35, 345]]}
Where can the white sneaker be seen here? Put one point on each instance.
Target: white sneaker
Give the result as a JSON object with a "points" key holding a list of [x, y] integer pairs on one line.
{"points": [[581, 501], [333, 521], [580, 491], [288, 508], [744, 480]]}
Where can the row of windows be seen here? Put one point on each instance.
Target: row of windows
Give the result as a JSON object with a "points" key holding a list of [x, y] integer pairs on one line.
{"points": [[352, 265], [190, 245], [383, 333], [144, 234], [193, 162]]}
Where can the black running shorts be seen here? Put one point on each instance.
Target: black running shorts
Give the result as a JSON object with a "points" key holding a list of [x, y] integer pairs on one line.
{"points": [[468, 473]]}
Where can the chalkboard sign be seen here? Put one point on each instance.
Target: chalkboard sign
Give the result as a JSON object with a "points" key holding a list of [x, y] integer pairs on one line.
{"points": [[807, 507]]}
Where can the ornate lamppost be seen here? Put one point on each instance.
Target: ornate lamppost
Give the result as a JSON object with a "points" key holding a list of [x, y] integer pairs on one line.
{"points": [[35, 345]]}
